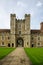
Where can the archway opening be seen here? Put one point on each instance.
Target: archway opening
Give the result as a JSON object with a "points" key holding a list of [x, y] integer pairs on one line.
{"points": [[12, 44], [8, 44], [32, 45], [19, 42]]}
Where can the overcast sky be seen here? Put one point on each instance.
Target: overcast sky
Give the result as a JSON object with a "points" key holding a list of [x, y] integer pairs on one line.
{"points": [[21, 7]]}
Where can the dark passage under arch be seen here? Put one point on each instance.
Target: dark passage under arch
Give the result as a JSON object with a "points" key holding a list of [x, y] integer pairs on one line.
{"points": [[8, 44], [19, 42]]}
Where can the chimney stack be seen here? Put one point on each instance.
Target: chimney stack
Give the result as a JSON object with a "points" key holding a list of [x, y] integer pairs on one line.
{"points": [[41, 26]]}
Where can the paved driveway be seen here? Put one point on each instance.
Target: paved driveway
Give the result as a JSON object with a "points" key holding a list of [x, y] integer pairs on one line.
{"points": [[17, 57]]}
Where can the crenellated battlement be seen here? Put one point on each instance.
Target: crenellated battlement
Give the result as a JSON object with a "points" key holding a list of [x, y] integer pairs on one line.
{"points": [[27, 15], [13, 15], [20, 20]]}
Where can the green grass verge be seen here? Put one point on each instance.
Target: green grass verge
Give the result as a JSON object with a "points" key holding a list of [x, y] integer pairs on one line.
{"points": [[35, 55], [5, 51]]}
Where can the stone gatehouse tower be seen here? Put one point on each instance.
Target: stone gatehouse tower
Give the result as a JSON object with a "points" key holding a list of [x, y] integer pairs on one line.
{"points": [[20, 31]]}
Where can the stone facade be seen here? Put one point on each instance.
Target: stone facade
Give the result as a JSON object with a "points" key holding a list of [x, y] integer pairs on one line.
{"points": [[20, 31], [20, 34]]}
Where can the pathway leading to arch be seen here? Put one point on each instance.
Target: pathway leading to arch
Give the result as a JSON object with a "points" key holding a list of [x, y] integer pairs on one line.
{"points": [[17, 57]]}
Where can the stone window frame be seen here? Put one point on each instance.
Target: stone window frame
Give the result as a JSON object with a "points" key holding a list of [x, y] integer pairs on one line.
{"points": [[19, 26], [3, 36], [19, 32], [32, 38], [8, 37], [39, 44], [38, 38], [2, 43]]}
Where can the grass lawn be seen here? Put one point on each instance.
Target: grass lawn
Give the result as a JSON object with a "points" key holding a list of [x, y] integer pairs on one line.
{"points": [[5, 51], [35, 55]]}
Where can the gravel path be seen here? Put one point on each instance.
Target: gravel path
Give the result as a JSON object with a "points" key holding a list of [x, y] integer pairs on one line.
{"points": [[17, 57]]}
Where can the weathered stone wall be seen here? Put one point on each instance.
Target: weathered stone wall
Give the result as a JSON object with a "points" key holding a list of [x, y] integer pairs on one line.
{"points": [[12, 26], [4, 39]]}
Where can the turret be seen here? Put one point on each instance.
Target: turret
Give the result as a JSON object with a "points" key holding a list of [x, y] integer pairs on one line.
{"points": [[12, 23], [27, 30], [12, 29], [27, 15], [27, 23]]}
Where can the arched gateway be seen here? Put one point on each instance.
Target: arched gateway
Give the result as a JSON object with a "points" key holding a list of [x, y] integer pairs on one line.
{"points": [[19, 42]]}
